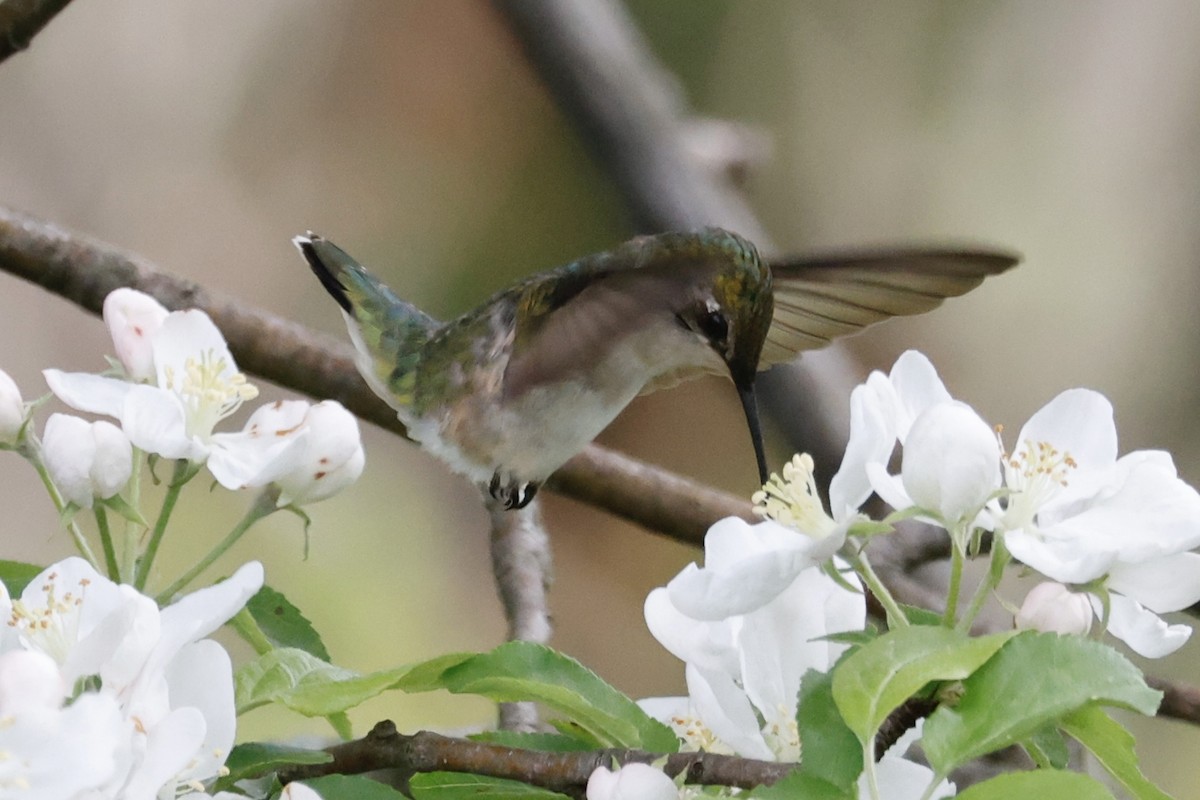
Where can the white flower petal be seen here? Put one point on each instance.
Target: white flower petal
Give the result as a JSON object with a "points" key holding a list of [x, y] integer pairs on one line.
{"points": [[630, 782], [1141, 629], [184, 335], [1169, 583], [784, 639], [706, 644], [293, 791], [170, 745], [133, 318], [890, 488], [83, 391], [12, 409], [951, 461], [68, 449], [113, 461], [29, 680], [1078, 422], [201, 677], [154, 421], [918, 387], [1059, 558], [872, 439], [1053, 608], [727, 712]]}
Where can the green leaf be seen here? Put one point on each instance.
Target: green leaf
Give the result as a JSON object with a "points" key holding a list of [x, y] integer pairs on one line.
{"points": [[253, 759], [426, 676], [16, 575], [831, 751], [801, 786], [283, 623], [306, 684], [1039, 783], [121, 506], [873, 681], [341, 725], [519, 671], [921, 616], [1047, 748], [545, 742], [1112, 746], [1035, 680], [461, 786], [351, 787]]}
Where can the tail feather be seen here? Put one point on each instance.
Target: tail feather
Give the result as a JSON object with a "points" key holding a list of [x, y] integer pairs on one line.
{"points": [[328, 252], [388, 333]]}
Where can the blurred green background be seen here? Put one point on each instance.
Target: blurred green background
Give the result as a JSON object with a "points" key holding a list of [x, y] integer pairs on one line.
{"points": [[205, 135]]}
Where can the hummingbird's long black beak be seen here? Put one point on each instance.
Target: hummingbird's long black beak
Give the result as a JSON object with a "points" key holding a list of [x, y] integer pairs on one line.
{"points": [[750, 407]]}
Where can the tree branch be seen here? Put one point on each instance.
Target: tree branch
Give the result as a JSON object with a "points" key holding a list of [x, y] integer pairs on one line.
{"points": [[21, 20], [385, 748]]}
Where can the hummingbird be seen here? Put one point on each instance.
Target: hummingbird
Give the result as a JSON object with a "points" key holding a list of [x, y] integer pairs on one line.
{"points": [[507, 393]]}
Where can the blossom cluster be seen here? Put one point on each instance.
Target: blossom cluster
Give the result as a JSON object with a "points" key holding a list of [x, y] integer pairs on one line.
{"points": [[1111, 534], [178, 381], [102, 695]]}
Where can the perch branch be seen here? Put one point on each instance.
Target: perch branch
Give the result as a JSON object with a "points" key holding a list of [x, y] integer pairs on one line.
{"points": [[385, 748]]}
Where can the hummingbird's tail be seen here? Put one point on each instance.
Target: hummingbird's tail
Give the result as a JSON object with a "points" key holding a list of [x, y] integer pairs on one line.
{"points": [[388, 333]]}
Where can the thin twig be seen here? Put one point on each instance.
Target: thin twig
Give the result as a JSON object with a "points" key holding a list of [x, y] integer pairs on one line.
{"points": [[385, 748], [21, 20], [521, 564]]}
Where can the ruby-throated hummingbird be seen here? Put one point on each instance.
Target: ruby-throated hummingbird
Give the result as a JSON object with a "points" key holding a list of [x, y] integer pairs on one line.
{"points": [[505, 394]]}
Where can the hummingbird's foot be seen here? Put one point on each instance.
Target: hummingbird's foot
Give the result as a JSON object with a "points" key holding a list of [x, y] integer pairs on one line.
{"points": [[513, 494]]}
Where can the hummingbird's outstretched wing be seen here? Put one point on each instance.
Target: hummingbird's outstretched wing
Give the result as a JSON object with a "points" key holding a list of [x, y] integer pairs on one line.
{"points": [[819, 299]]}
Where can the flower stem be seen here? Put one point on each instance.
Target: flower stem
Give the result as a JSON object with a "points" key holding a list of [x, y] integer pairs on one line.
{"points": [[243, 622], [896, 616], [132, 529], [263, 506], [956, 571], [106, 541], [998, 560], [178, 479], [934, 783], [32, 450]]}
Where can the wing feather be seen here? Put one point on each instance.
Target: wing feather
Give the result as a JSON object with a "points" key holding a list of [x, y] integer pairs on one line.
{"points": [[820, 299]]}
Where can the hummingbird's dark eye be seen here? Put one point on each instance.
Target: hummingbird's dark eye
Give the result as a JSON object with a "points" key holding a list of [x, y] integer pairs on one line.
{"points": [[713, 325]]}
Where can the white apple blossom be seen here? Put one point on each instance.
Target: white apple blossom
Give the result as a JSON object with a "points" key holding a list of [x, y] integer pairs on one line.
{"points": [[195, 385], [12, 410], [133, 319], [173, 688], [631, 782], [950, 466], [86, 460], [50, 750], [322, 452], [744, 669], [330, 459], [1079, 514], [1054, 608]]}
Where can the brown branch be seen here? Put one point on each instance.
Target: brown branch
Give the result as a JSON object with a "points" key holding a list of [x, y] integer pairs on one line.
{"points": [[21, 20], [84, 271], [385, 748]]}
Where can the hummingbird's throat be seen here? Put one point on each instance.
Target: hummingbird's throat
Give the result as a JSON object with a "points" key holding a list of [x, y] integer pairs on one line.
{"points": [[750, 407]]}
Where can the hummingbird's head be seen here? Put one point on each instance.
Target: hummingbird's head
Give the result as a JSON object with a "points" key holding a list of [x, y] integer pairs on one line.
{"points": [[730, 308]]}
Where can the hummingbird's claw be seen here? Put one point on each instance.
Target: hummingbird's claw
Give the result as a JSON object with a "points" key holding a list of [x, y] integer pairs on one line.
{"points": [[512, 494]]}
